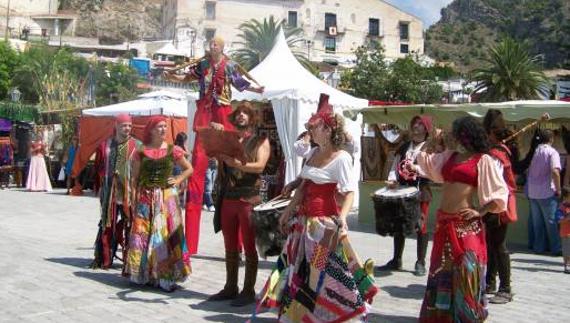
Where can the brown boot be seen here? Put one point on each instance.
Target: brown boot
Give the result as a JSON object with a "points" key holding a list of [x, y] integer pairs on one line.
{"points": [[230, 290], [247, 295]]}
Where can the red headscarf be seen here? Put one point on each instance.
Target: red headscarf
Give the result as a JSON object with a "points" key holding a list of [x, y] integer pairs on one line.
{"points": [[324, 113], [424, 120], [152, 122], [123, 118]]}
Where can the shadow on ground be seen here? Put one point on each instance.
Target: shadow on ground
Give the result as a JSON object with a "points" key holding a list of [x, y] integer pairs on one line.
{"points": [[538, 261], [263, 264], [77, 262], [413, 291], [382, 318]]}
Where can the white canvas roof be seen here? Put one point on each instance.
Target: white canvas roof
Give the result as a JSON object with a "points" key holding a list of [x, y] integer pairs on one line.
{"points": [[284, 77], [153, 103]]}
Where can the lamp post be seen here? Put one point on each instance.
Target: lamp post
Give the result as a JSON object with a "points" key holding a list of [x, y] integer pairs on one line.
{"points": [[15, 94], [7, 21], [192, 41]]}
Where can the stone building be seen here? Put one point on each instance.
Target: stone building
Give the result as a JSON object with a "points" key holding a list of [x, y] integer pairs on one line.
{"points": [[332, 28]]}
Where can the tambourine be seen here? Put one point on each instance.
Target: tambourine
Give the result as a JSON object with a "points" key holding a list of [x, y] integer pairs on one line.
{"points": [[403, 171]]}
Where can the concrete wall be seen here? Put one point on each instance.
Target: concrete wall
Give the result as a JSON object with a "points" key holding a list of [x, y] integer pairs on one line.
{"points": [[352, 23]]}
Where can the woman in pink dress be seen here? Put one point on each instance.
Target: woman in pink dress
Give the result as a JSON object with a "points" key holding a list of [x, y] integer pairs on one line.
{"points": [[38, 178]]}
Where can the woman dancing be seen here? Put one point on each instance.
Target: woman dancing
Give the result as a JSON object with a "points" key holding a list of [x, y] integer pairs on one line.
{"points": [[456, 282], [157, 252], [318, 276]]}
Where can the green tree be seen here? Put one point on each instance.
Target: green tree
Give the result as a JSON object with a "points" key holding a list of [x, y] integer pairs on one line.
{"points": [[257, 38], [8, 62], [403, 80], [511, 74], [369, 76], [115, 83]]}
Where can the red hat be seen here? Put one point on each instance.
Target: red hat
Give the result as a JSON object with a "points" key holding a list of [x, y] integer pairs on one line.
{"points": [[324, 112], [424, 120], [123, 118], [152, 122]]}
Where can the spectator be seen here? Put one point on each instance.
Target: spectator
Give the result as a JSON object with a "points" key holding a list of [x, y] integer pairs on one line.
{"points": [[180, 141], [211, 174], [543, 191]]}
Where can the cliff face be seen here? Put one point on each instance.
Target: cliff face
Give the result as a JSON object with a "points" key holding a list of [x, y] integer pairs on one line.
{"points": [[116, 21], [469, 27]]}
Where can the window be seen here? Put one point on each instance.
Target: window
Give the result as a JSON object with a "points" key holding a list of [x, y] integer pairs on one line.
{"points": [[353, 18], [210, 33], [374, 27], [330, 44], [210, 10], [330, 20], [404, 31], [292, 19], [404, 48]]}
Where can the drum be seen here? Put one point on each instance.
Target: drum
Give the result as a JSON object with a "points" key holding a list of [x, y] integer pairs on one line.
{"points": [[268, 239], [396, 210]]}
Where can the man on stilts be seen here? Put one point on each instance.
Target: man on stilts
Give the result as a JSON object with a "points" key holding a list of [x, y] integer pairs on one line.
{"points": [[215, 73]]}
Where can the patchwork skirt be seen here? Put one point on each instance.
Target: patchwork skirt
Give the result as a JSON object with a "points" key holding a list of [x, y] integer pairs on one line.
{"points": [[318, 276], [157, 252]]}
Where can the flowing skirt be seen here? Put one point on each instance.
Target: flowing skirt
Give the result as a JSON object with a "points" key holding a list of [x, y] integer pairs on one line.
{"points": [[157, 253], [318, 276], [38, 178], [455, 289]]}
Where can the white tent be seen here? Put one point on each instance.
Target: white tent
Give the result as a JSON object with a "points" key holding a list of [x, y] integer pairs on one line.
{"points": [[157, 102], [294, 94], [169, 50]]}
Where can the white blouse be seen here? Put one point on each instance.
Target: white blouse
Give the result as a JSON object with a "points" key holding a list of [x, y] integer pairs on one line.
{"points": [[338, 170]]}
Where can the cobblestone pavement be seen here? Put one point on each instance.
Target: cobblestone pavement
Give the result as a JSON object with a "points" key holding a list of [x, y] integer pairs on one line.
{"points": [[46, 246]]}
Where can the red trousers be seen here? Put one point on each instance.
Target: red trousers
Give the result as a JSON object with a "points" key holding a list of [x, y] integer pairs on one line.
{"points": [[202, 118], [236, 220]]}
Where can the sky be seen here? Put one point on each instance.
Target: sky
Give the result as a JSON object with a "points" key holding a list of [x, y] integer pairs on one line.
{"points": [[427, 10]]}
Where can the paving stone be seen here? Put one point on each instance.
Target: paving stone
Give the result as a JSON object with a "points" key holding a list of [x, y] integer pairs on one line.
{"points": [[47, 246]]}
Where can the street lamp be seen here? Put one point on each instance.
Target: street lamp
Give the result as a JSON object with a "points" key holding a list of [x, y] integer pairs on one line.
{"points": [[15, 94], [192, 40]]}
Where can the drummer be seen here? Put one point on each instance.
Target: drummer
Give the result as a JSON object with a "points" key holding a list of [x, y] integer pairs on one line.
{"points": [[241, 191], [420, 127]]}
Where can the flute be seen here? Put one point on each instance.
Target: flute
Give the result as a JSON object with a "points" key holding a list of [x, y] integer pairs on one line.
{"points": [[544, 117]]}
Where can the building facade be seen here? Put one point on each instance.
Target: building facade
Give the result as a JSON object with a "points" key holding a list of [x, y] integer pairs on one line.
{"points": [[332, 29], [35, 17]]}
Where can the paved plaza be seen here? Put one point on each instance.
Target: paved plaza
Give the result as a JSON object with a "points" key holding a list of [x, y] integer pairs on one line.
{"points": [[46, 246]]}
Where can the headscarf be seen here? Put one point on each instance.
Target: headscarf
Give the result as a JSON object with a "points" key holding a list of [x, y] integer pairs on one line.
{"points": [[123, 118], [324, 113], [151, 124], [424, 120]]}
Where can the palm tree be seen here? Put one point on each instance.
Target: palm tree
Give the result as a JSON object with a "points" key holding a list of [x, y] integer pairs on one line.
{"points": [[512, 74], [257, 41]]}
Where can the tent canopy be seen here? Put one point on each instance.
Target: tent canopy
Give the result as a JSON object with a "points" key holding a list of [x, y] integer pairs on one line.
{"points": [[444, 114], [159, 102], [169, 50], [98, 124], [284, 77]]}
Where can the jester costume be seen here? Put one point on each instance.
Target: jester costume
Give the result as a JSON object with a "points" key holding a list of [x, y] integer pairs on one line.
{"points": [[214, 106], [113, 165], [157, 249]]}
